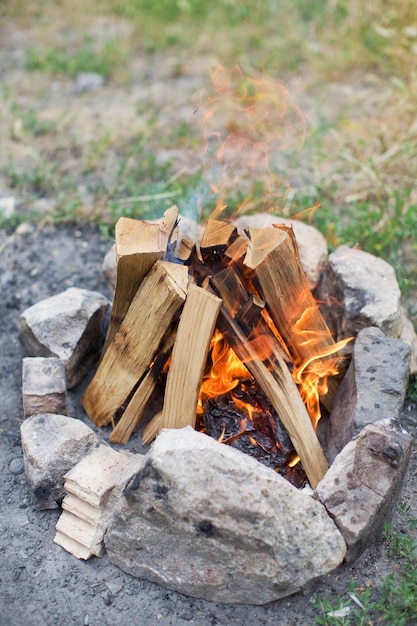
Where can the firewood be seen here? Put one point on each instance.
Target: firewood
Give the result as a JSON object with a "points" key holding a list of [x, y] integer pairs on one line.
{"points": [[138, 245], [154, 308], [189, 358], [134, 410], [94, 486], [218, 236], [273, 255]]}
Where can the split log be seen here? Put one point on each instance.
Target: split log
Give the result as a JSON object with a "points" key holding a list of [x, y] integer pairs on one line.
{"points": [[138, 245], [134, 410], [189, 358], [154, 308], [218, 236], [273, 256]]}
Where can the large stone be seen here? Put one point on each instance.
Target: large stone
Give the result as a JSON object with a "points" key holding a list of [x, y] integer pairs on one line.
{"points": [[208, 521], [312, 246], [44, 386], [373, 389], [363, 291], [52, 444], [68, 326], [361, 487]]}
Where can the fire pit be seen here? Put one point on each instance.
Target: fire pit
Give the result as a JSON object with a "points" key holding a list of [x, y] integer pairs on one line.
{"points": [[194, 514]]}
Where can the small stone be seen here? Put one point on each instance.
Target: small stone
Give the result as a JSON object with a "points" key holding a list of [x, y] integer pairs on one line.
{"points": [[52, 445], [7, 206], [16, 467], [43, 386], [312, 246], [69, 326], [88, 81], [362, 486]]}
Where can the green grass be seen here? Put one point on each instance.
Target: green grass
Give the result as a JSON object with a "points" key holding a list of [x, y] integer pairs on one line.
{"points": [[359, 157], [395, 602], [86, 58]]}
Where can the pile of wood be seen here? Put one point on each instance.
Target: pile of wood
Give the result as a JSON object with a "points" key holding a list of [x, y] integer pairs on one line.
{"points": [[172, 294], [93, 486]]}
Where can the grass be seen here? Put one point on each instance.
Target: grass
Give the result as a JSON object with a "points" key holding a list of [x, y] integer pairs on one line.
{"points": [[356, 155], [396, 600]]}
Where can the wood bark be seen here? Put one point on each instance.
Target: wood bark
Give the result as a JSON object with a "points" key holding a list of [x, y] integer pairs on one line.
{"points": [[189, 358], [138, 245], [154, 308]]}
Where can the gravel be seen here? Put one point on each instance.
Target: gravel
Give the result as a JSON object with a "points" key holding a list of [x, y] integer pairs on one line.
{"points": [[41, 584]]}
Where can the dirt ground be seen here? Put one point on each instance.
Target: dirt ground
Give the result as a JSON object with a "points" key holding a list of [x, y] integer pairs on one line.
{"points": [[44, 122], [42, 585]]}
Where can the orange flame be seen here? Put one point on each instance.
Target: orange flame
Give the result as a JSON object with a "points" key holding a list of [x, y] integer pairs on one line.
{"points": [[226, 371], [313, 373]]}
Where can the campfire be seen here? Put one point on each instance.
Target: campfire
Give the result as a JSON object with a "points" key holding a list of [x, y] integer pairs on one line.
{"points": [[232, 328]]}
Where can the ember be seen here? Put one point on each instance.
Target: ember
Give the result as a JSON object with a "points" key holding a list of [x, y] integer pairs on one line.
{"points": [[246, 420]]}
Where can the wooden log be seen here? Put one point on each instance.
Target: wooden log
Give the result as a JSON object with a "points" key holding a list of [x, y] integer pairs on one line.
{"points": [[154, 308], [273, 255], [134, 410], [189, 358], [281, 390], [218, 236], [138, 245]]}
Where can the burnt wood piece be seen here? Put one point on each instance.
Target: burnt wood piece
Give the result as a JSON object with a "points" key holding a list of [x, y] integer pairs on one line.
{"points": [[261, 435], [153, 310], [138, 245], [189, 358], [136, 406]]}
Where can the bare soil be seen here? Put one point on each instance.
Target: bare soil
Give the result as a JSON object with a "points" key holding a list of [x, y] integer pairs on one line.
{"points": [[42, 585]]}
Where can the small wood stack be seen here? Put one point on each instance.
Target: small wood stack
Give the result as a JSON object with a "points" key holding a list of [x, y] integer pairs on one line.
{"points": [[93, 487], [246, 286]]}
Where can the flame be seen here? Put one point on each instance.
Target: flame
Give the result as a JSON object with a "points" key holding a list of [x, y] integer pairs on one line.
{"points": [[313, 373], [226, 372]]}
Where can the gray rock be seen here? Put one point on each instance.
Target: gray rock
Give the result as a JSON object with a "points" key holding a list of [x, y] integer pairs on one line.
{"points": [[361, 487], [312, 246], [109, 267], [44, 387], [16, 467], [363, 290], [208, 521], [88, 81], [68, 326], [373, 389], [52, 444]]}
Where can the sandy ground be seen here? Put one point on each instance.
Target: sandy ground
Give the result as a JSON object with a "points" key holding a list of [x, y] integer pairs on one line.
{"points": [[42, 585]]}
